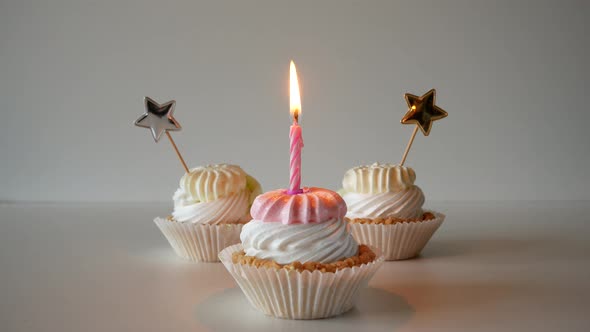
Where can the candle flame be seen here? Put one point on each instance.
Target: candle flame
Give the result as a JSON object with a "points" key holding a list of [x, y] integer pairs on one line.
{"points": [[294, 97]]}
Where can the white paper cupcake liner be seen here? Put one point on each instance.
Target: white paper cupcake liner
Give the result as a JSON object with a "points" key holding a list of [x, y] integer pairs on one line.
{"points": [[198, 242], [300, 295], [398, 241]]}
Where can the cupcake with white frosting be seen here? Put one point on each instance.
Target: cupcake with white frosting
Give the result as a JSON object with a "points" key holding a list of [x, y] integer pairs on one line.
{"points": [[297, 258], [385, 209], [211, 205]]}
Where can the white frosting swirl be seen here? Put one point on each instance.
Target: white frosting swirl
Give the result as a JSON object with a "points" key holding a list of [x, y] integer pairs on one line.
{"points": [[208, 183], [324, 242], [405, 204], [378, 178], [215, 194], [228, 209]]}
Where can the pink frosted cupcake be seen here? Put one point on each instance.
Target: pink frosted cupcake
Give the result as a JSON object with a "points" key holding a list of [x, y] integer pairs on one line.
{"points": [[385, 210], [210, 207], [297, 259]]}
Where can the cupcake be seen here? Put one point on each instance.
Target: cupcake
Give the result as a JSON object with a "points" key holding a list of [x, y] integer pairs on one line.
{"points": [[211, 205], [385, 210], [297, 259]]}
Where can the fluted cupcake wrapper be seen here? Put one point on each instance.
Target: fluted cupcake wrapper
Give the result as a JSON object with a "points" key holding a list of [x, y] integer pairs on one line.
{"points": [[400, 240], [300, 295], [199, 242]]}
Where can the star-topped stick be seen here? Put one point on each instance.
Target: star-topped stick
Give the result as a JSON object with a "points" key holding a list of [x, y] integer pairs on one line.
{"points": [[158, 118], [423, 112]]}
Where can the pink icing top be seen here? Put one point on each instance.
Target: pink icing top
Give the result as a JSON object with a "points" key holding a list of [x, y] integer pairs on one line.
{"points": [[312, 205]]}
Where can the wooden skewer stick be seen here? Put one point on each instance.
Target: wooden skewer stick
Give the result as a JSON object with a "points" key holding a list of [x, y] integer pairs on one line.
{"points": [[409, 146], [177, 152]]}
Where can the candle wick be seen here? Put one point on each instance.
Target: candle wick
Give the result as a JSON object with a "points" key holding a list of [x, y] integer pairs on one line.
{"points": [[296, 117]]}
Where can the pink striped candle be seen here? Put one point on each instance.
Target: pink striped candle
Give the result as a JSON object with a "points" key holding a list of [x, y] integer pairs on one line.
{"points": [[295, 136], [296, 143]]}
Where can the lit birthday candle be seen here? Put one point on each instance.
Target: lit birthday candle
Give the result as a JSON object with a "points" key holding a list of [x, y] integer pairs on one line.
{"points": [[295, 135]]}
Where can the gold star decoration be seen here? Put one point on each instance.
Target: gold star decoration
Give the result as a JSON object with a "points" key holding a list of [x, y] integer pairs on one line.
{"points": [[423, 111]]}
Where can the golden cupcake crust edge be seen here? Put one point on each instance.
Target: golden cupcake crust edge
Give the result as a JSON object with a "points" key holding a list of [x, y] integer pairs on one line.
{"points": [[390, 220], [365, 255]]}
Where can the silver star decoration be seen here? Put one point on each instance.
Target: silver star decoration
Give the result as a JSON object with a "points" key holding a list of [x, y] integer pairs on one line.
{"points": [[158, 117]]}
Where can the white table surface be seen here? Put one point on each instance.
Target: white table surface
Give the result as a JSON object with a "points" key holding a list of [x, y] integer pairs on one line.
{"points": [[493, 266]]}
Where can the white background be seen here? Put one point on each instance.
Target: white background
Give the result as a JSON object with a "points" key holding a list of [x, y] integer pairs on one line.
{"points": [[511, 74]]}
